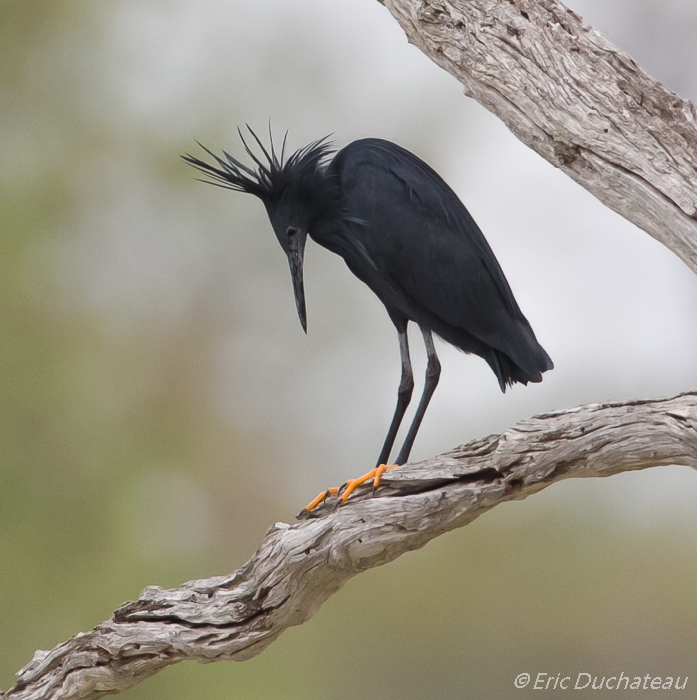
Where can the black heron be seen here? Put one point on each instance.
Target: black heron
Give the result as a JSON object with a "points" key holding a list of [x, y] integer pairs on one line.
{"points": [[402, 231]]}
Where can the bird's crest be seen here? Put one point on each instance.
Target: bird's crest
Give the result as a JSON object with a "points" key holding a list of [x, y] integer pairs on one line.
{"points": [[267, 180]]}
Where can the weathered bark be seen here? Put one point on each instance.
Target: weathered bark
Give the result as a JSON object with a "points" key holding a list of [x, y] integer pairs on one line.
{"points": [[581, 103], [297, 567]]}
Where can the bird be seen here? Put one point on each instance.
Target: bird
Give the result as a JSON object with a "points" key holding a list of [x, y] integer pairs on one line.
{"points": [[403, 232]]}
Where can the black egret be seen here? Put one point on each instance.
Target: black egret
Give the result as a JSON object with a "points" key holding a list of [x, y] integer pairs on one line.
{"points": [[402, 231]]}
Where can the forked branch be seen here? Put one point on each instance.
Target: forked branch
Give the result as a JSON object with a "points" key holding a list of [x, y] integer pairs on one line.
{"points": [[297, 567]]}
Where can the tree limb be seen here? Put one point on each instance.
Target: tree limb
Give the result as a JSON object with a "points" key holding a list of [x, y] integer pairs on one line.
{"points": [[577, 100], [297, 567]]}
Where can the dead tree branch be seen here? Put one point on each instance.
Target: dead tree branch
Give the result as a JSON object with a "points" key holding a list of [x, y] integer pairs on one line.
{"points": [[297, 567], [577, 100]]}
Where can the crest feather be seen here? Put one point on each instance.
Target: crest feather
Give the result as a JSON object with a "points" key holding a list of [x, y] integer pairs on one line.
{"points": [[270, 179]]}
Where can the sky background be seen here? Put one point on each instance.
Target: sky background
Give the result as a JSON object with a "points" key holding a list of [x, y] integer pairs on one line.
{"points": [[160, 405]]}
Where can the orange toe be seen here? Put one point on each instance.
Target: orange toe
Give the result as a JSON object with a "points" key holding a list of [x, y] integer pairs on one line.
{"points": [[351, 485], [374, 474], [379, 471], [319, 498]]}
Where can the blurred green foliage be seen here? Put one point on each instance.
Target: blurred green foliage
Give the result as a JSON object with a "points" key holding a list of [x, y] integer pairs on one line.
{"points": [[117, 472]]}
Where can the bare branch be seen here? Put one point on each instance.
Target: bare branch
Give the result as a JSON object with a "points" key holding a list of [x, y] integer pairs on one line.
{"points": [[581, 103], [297, 567]]}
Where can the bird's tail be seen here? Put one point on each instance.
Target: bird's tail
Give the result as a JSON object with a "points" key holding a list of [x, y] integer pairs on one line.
{"points": [[523, 360], [512, 350]]}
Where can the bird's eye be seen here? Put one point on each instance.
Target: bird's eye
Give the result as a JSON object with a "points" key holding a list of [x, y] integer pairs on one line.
{"points": [[292, 231]]}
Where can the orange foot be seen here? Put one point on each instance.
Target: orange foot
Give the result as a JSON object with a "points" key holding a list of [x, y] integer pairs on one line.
{"points": [[349, 487]]}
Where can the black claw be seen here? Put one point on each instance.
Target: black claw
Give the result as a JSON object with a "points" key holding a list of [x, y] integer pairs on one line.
{"points": [[337, 504]]}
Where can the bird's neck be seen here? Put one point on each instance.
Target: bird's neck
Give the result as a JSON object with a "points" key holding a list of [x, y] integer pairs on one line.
{"points": [[328, 232], [328, 227]]}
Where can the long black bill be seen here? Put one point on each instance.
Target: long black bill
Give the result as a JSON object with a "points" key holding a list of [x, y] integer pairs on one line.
{"points": [[295, 259]]}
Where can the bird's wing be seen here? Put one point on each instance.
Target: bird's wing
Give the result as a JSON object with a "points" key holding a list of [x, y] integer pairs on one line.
{"points": [[424, 241]]}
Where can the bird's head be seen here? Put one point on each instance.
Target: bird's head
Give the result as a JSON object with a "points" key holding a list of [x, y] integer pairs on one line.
{"points": [[291, 225], [295, 191]]}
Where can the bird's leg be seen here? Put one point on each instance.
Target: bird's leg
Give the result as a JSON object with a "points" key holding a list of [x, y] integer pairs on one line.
{"points": [[432, 376], [406, 387]]}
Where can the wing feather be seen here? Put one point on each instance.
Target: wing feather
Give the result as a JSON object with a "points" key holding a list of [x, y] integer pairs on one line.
{"points": [[423, 242]]}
